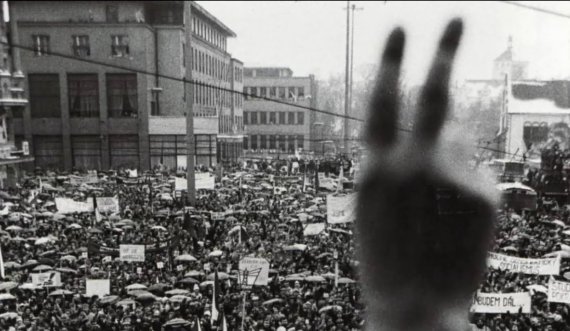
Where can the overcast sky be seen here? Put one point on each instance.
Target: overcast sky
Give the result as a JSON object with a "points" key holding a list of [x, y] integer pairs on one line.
{"points": [[309, 37]]}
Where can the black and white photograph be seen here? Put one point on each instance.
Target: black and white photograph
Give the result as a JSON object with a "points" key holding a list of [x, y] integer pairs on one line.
{"points": [[284, 165]]}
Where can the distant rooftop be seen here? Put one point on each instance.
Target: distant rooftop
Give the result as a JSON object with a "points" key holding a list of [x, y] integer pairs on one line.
{"points": [[268, 72], [547, 97]]}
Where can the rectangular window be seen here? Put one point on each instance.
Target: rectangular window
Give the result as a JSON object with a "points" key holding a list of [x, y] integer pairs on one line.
{"points": [[273, 92], [41, 44], [281, 117], [291, 118], [291, 144], [112, 13], [253, 118], [272, 142], [245, 143], [282, 142], [122, 95], [120, 45], [163, 150], [272, 118], [254, 142], [291, 93], [263, 117], [83, 92], [300, 118], [86, 151], [282, 92], [262, 141], [300, 92], [81, 46], [48, 152], [300, 142], [124, 151], [263, 91], [246, 117], [44, 95]]}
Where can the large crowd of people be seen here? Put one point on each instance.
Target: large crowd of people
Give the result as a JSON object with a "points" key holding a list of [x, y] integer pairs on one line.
{"points": [[256, 210]]}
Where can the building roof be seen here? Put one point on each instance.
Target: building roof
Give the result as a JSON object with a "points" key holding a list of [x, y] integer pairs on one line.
{"points": [[540, 97], [212, 18], [507, 55]]}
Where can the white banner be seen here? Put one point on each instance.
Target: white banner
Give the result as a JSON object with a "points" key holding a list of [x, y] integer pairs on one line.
{"points": [[51, 278], [558, 291], [313, 229], [341, 209], [204, 181], [133, 173], [69, 206], [180, 184], [544, 266], [218, 216], [98, 287], [500, 303], [78, 180], [253, 271], [108, 204], [132, 253]]}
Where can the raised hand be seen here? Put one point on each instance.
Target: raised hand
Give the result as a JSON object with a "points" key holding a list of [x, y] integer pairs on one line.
{"points": [[423, 234]]}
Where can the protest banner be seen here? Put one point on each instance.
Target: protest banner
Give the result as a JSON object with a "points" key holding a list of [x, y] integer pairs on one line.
{"points": [[180, 184], [341, 209], [313, 229], [108, 204], [218, 216], [160, 265], [501, 303], [47, 279], [133, 173], [253, 271], [69, 206], [79, 180], [98, 287], [204, 181], [558, 291], [544, 266], [132, 253]]}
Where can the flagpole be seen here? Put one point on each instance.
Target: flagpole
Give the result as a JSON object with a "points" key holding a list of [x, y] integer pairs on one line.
{"points": [[243, 313]]}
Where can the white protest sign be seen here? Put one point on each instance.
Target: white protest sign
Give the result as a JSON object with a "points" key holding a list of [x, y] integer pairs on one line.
{"points": [[341, 209], [204, 181], [52, 278], [253, 271], [79, 180], [108, 204], [98, 287], [160, 265], [132, 253], [500, 303], [558, 291], [180, 184], [544, 266], [180, 267], [313, 229], [218, 216], [69, 206], [139, 270], [133, 173]]}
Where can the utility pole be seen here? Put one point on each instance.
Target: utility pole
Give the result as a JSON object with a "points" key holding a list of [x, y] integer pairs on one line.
{"points": [[354, 8], [189, 96], [347, 73]]}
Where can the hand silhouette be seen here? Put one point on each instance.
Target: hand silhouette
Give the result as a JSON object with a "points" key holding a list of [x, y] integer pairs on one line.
{"points": [[423, 235]]}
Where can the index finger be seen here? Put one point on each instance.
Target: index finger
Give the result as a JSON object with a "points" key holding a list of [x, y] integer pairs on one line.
{"points": [[434, 100]]}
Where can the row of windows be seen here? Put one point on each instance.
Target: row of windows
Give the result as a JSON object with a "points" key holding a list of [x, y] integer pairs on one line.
{"points": [[226, 125], [209, 65], [279, 142], [273, 118], [80, 45], [206, 32], [281, 92], [86, 151], [83, 93]]}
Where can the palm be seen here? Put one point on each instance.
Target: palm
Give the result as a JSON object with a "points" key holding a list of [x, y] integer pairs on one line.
{"points": [[423, 236]]}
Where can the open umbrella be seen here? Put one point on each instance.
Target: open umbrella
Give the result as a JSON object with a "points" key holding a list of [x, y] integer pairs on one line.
{"points": [[8, 315], [344, 280], [177, 291], [146, 297], [42, 268], [159, 287], [69, 258], [185, 258], [315, 279], [29, 286], [60, 293], [158, 228], [135, 286], [66, 270], [177, 298], [108, 299], [194, 273], [177, 322], [74, 226], [14, 228], [7, 286], [6, 296], [272, 301], [216, 253], [188, 280], [327, 308], [12, 265]]}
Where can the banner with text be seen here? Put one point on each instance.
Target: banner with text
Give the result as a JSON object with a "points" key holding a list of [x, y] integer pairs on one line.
{"points": [[253, 271], [132, 253], [98, 287], [69, 206], [47, 279], [558, 291], [544, 266], [501, 303], [313, 229], [341, 209], [108, 204], [204, 181], [79, 180]]}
